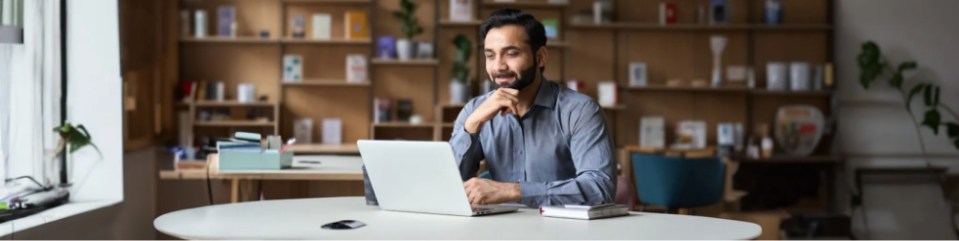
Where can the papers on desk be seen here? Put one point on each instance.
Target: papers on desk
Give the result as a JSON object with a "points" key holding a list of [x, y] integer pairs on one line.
{"points": [[585, 212]]}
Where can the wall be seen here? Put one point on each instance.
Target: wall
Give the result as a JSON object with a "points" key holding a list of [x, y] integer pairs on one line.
{"points": [[875, 130]]}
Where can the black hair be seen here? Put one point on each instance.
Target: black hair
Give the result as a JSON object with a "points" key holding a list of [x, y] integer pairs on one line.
{"points": [[535, 32]]}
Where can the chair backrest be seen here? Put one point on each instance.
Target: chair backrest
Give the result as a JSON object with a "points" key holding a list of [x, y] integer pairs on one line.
{"points": [[678, 182]]}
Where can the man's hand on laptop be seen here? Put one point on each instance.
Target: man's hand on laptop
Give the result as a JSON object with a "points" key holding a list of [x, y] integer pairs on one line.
{"points": [[482, 191]]}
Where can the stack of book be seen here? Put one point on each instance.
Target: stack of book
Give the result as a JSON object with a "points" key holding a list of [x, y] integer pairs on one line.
{"points": [[585, 212]]}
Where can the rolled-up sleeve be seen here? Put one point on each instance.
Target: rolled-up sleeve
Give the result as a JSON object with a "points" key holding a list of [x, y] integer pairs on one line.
{"points": [[592, 155], [466, 146]]}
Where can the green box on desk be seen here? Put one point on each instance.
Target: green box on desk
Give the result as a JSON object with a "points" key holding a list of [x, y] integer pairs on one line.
{"points": [[246, 160]]}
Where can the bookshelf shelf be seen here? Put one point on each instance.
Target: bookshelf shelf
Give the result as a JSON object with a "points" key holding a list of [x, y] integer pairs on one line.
{"points": [[326, 42], [234, 123], [326, 82], [699, 27], [228, 40], [330, 1], [773, 93], [503, 4], [411, 62], [403, 125], [690, 89], [451, 23], [230, 103]]}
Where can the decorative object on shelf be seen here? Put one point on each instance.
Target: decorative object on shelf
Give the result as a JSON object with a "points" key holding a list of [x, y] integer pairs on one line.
{"points": [[416, 119], [404, 109], [725, 138], [817, 76], [332, 131], [303, 130], [218, 91], [245, 92], [750, 77], [459, 86], [602, 11], [827, 77], [798, 129], [773, 12], [584, 16], [637, 74], [607, 90], [184, 22], [264, 34], [717, 43], [575, 85], [386, 47], [322, 25], [424, 50], [298, 23], [356, 25], [690, 134], [461, 10], [552, 27], [700, 14], [652, 132], [736, 74], [292, 68], [719, 11], [409, 25], [667, 13], [199, 23], [226, 21], [356, 68], [699, 83], [799, 79], [776, 76], [676, 82]]}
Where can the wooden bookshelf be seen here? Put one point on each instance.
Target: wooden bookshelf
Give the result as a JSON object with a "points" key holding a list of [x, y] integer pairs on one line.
{"points": [[329, 1], [229, 103], [690, 89], [229, 40], [523, 4], [234, 123], [450, 23]]}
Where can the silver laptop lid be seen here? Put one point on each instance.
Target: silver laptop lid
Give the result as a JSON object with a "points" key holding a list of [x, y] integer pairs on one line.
{"points": [[415, 176]]}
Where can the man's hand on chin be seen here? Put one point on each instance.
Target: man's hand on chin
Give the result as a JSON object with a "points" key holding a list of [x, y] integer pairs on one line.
{"points": [[482, 191]]}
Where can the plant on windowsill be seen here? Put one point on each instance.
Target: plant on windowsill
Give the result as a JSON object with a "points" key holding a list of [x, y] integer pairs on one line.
{"points": [[873, 66], [72, 138], [410, 27], [459, 85]]}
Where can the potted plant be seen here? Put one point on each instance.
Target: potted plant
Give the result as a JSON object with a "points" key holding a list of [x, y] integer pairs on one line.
{"points": [[459, 85], [410, 27], [72, 138]]}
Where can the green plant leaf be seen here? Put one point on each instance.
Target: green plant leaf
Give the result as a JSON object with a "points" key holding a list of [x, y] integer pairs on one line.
{"points": [[932, 120], [952, 129], [912, 93], [869, 54], [908, 65], [896, 80], [855, 200], [935, 97], [927, 95]]}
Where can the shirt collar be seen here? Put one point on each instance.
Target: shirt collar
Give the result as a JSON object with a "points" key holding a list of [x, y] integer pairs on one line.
{"points": [[546, 95]]}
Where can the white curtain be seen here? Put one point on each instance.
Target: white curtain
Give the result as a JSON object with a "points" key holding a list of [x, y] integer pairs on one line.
{"points": [[33, 96]]}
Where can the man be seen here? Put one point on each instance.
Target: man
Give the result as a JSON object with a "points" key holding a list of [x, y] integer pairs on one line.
{"points": [[543, 143]]}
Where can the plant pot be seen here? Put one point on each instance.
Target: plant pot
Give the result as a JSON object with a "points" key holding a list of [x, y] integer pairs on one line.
{"points": [[459, 92], [404, 49]]}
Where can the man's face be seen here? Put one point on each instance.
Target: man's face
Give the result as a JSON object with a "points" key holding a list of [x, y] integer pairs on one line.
{"points": [[509, 60]]}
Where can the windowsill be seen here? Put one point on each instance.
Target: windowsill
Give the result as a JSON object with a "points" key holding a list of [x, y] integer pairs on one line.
{"points": [[53, 215]]}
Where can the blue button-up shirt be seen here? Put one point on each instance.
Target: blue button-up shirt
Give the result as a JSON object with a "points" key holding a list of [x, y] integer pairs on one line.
{"points": [[559, 151]]}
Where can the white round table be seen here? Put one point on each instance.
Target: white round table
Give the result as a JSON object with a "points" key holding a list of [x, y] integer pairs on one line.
{"points": [[302, 218]]}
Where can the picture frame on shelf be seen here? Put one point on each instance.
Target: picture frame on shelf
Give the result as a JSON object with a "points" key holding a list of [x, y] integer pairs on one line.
{"points": [[637, 74]]}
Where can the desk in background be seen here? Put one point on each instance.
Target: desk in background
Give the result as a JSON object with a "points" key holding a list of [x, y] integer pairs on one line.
{"points": [[337, 163], [302, 218]]}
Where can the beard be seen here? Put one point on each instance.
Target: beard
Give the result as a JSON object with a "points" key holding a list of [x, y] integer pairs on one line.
{"points": [[526, 77]]}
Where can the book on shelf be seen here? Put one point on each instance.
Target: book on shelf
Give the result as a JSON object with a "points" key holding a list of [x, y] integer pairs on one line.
{"points": [[322, 23], [585, 212], [356, 68], [226, 21], [357, 26], [461, 10], [292, 68]]}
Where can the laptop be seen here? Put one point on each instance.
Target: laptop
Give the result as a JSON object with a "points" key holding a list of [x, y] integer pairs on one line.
{"points": [[419, 176]]}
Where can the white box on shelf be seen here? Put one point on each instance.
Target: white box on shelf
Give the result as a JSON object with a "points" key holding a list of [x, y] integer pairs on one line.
{"points": [[245, 92], [322, 23], [461, 10], [292, 68], [691, 134], [606, 90], [652, 132], [332, 131], [356, 68], [303, 130]]}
